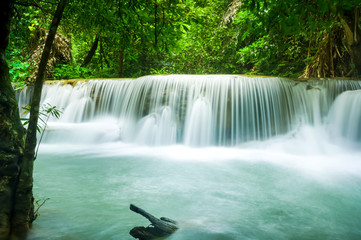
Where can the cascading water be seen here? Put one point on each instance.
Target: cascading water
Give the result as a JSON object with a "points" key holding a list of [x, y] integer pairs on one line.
{"points": [[345, 117], [194, 110], [229, 157]]}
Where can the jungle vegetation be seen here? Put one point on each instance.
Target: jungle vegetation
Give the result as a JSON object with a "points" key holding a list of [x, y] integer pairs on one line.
{"points": [[117, 38]]}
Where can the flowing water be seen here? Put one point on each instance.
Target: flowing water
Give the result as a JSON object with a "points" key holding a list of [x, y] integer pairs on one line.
{"points": [[228, 157]]}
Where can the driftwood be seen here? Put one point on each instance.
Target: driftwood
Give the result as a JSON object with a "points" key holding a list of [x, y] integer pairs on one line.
{"points": [[160, 227]]}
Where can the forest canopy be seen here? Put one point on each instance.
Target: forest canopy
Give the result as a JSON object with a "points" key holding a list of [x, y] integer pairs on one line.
{"points": [[130, 38]]}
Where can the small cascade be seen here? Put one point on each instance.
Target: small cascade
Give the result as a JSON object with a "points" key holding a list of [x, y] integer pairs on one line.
{"points": [[199, 124], [77, 102], [157, 129], [345, 116], [195, 110]]}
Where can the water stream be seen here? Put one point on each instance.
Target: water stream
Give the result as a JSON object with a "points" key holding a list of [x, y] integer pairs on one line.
{"points": [[228, 157]]}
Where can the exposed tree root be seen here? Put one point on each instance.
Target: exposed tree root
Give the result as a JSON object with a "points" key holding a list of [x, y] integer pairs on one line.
{"points": [[331, 58], [60, 53]]}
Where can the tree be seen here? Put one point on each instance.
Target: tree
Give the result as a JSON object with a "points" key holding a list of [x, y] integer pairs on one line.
{"points": [[17, 159], [132, 36], [205, 43], [11, 130], [91, 52], [324, 35]]}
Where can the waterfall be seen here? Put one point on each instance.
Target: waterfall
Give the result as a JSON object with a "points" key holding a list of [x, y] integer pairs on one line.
{"points": [[345, 117], [198, 110]]}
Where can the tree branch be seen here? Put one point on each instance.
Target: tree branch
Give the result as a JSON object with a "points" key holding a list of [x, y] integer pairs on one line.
{"points": [[33, 3]]}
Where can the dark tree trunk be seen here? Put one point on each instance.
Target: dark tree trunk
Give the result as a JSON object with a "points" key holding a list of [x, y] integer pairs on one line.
{"points": [[330, 60], [91, 52], [155, 23], [102, 54], [24, 209], [350, 23], [143, 60], [11, 129], [121, 60]]}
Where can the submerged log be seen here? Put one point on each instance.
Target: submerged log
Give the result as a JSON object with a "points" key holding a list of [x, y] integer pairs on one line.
{"points": [[160, 227]]}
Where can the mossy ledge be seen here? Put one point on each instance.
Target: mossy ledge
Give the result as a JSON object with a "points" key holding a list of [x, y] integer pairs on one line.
{"points": [[73, 82]]}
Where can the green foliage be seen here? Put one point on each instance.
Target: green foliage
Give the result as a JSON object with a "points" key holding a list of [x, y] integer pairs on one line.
{"points": [[38, 204], [162, 71], [207, 44], [19, 72], [65, 71], [272, 37], [279, 37], [46, 111]]}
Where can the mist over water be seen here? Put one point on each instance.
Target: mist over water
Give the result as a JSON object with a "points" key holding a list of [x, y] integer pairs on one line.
{"points": [[228, 157]]}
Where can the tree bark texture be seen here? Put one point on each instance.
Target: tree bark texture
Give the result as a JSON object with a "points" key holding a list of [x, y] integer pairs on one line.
{"points": [[121, 60], [102, 55], [91, 52], [24, 208], [11, 129], [350, 23], [339, 49], [155, 23]]}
